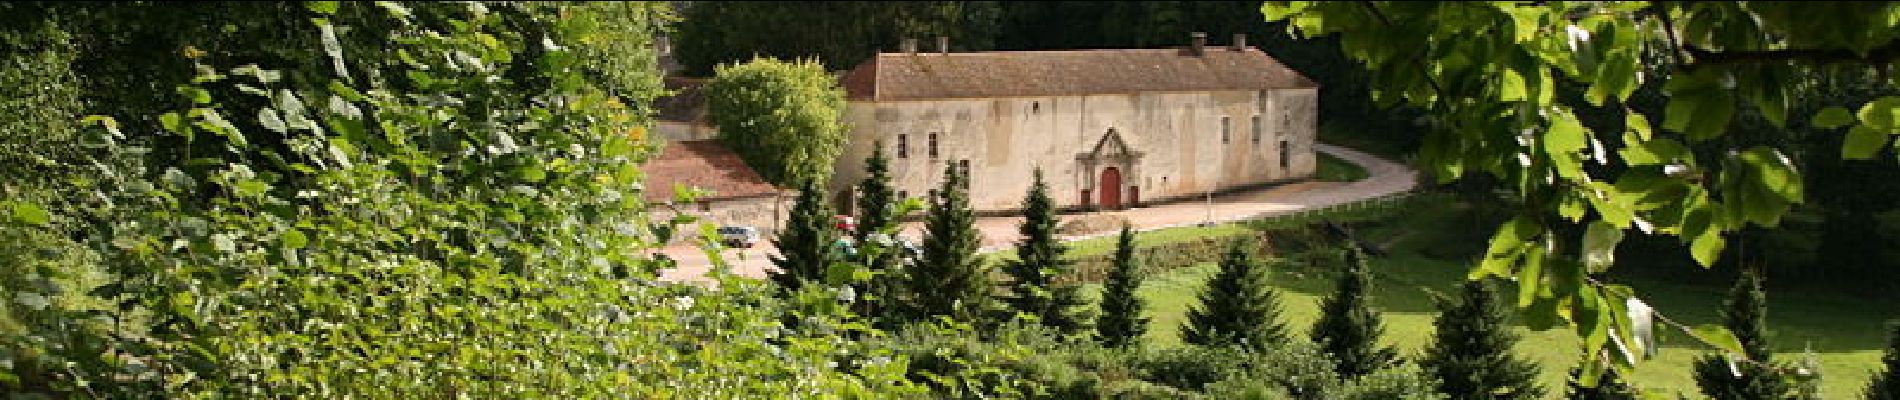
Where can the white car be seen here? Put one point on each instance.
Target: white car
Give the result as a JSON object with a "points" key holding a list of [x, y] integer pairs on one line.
{"points": [[739, 236]]}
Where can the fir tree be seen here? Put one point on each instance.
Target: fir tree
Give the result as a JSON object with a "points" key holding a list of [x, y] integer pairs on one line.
{"points": [[1121, 323], [1886, 385], [1471, 349], [1039, 261], [1237, 307], [806, 245], [1610, 386], [1348, 329], [877, 200], [1757, 377], [950, 280]]}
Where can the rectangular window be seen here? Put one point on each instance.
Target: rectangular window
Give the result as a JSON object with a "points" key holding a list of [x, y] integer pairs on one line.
{"points": [[963, 166], [1285, 154], [1226, 126], [1256, 129], [903, 146], [933, 145]]}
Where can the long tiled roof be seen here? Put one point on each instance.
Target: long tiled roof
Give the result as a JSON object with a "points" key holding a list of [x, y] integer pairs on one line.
{"points": [[704, 164], [924, 76]]}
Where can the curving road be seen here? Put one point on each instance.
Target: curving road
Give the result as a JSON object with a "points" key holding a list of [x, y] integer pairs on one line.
{"points": [[1384, 178]]}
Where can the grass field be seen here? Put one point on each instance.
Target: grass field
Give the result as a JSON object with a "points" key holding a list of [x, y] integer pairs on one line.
{"points": [[1843, 333]]}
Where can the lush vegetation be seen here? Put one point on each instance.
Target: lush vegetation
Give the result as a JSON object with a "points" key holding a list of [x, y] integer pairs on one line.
{"points": [[783, 118]]}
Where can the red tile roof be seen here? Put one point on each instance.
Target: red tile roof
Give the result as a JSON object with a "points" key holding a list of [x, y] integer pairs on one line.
{"points": [[704, 164], [922, 76]]}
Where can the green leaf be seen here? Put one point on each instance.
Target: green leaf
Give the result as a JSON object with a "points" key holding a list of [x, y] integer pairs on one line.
{"points": [[1511, 86], [269, 119], [322, 7], [294, 239], [1572, 207], [1638, 124], [1707, 247], [1506, 245], [1599, 245], [1530, 279], [1774, 172], [1832, 117], [31, 214], [173, 122], [1719, 337], [1592, 317], [1879, 113], [1651, 152], [1862, 143]]}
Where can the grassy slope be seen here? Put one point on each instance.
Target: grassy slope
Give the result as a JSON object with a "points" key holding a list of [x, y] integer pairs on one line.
{"points": [[1843, 332]]}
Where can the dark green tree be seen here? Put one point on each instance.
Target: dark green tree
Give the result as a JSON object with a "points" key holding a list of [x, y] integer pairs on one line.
{"points": [[1348, 328], [807, 245], [1886, 384], [1040, 260], [876, 199], [1609, 387], [1121, 323], [1237, 307], [950, 280], [1757, 377], [782, 117], [1471, 349], [842, 33]]}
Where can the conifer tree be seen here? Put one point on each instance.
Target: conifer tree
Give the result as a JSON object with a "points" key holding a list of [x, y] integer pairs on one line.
{"points": [[1237, 307], [950, 280], [1471, 349], [1348, 328], [877, 200], [1886, 384], [1121, 323], [806, 245], [1610, 386], [1745, 315], [1040, 259]]}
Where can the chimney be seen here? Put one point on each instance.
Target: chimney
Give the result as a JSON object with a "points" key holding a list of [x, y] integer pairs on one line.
{"points": [[1240, 42], [909, 46], [1198, 44], [943, 45]]}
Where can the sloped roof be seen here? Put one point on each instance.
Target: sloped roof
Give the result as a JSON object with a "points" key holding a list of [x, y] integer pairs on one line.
{"points": [[704, 164], [924, 76]]}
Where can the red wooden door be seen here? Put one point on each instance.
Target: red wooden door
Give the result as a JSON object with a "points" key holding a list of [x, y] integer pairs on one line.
{"points": [[1111, 188]]}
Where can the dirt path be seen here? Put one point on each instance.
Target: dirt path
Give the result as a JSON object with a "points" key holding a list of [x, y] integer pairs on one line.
{"points": [[1384, 177]]}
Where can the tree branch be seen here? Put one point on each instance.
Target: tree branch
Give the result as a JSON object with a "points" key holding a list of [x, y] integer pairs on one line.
{"points": [[1426, 72], [1885, 54]]}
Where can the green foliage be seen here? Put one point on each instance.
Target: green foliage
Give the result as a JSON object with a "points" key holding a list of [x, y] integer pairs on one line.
{"points": [[1348, 328], [1609, 386], [842, 33], [1886, 382], [1237, 306], [1471, 349], [1749, 373], [1511, 89], [384, 200], [1121, 322], [1399, 381], [950, 280], [808, 244], [782, 117], [1040, 259], [876, 198]]}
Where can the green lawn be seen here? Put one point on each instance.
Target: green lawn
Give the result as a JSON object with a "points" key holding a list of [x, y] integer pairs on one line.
{"points": [[1843, 333], [1333, 169]]}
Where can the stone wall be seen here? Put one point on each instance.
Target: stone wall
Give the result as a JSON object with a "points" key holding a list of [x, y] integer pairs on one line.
{"points": [[766, 213], [1174, 143]]}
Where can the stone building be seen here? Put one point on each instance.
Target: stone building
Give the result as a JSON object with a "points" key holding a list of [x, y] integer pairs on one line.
{"points": [[1110, 129], [735, 194]]}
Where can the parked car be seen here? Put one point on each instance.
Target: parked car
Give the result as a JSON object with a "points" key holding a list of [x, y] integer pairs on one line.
{"points": [[739, 236], [845, 223]]}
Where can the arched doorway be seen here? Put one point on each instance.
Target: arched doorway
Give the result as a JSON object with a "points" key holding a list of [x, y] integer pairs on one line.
{"points": [[1111, 188]]}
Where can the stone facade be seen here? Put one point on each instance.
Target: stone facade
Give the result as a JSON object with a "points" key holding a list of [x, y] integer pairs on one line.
{"points": [[1099, 144], [763, 212]]}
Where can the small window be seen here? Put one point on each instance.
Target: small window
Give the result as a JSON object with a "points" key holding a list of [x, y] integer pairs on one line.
{"points": [[1226, 125], [1285, 153], [963, 166], [933, 145], [903, 194], [1257, 128], [903, 146], [1035, 107]]}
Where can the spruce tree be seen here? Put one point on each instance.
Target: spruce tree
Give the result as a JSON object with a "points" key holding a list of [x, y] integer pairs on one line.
{"points": [[876, 207], [805, 246], [1886, 385], [1348, 328], [1237, 307], [1471, 349], [1610, 386], [1121, 323], [950, 280], [1040, 259], [877, 200], [1757, 377]]}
